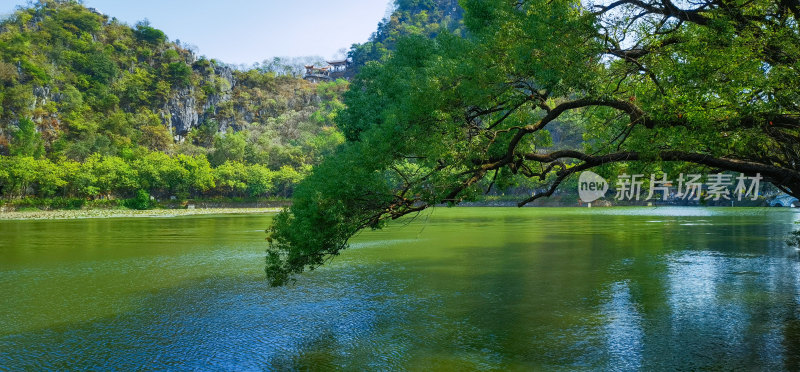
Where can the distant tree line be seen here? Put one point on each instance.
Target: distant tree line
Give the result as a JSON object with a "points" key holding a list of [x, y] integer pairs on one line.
{"points": [[159, 175]]}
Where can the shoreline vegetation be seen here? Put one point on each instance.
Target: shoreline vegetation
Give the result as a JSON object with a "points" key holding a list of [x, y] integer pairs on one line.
{"points": [[40, 209], [217, 207], [126, 213]]}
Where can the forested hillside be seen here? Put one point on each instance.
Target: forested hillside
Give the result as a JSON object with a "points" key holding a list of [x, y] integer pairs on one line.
{"points": [[92, 107], [426, 18]]}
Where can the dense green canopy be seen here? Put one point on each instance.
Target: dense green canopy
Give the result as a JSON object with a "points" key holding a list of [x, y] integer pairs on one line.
{"points": [[651, 83]]}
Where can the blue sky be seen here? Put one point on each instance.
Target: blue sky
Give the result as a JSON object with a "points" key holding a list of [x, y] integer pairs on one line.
{"points": [[247, 31]]}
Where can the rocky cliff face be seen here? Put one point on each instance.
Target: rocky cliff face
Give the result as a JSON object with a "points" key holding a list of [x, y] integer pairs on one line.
{"points": [[231, 104], [184, 111], [181, 112]]}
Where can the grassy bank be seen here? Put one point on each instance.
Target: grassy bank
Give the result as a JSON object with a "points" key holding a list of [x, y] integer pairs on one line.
{"points": [[143, 203]]}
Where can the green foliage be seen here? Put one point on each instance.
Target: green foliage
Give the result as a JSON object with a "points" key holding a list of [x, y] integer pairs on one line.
{"points": [[179, 74], [200, 177], [27, 141], [231, 178], [426, 18], [149, 34], [8, 73], [25, 176], [17, 99], [140, 202], [79, 20], [154, 173], [447, 116], [34, 72], [259, 180], [97, 65], [230, 146], [66, 203], [56, 203]]}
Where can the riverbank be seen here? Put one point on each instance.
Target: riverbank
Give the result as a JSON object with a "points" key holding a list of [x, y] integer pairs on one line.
{"points": [[126, 213]]}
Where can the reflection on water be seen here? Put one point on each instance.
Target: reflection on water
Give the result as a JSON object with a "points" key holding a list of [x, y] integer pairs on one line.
{"points": [[462, 289], [624, 335]]}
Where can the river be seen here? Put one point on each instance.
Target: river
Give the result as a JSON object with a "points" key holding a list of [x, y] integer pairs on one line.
{"points": [[452, 289]]}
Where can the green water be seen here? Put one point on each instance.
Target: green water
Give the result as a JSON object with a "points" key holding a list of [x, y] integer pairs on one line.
{"points": [[456, 289]]}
